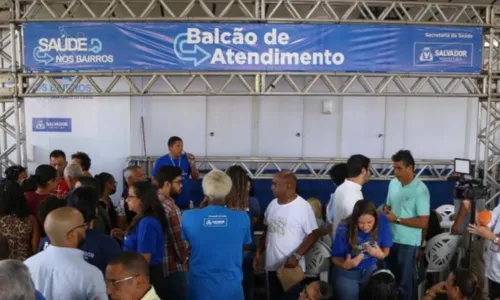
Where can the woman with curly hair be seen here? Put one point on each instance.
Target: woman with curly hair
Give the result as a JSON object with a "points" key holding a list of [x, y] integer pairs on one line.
{"points": [[17, 225]]}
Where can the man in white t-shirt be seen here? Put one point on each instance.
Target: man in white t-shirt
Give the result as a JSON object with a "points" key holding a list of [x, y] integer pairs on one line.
{"points": [[349, 192], [291, 231], [338, 174]]}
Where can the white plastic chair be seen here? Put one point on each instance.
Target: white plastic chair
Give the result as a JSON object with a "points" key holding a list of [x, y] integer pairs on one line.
{"points": [[446, 211], [439, 253], [318, 261], [440, 250]]}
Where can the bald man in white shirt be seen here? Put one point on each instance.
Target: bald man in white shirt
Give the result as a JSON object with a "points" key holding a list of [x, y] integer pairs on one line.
{"points": [[60, 271]]}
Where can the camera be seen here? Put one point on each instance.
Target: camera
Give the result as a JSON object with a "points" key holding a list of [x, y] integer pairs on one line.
{"points": [[470, 189], [467, 187]]}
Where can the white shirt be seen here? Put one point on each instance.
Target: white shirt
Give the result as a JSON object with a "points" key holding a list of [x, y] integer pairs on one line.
{"points": [[62, 273], [492, 257], [287, 227], [151, 295], [344, 199]]}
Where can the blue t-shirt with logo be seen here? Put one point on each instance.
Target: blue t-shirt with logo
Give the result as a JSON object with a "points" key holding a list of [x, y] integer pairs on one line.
{"points": [[147, 237], [98, 248], [182, 163], [217, 236], [341, 247]]}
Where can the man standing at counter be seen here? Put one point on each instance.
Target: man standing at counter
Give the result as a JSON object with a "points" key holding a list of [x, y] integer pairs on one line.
{"points": [[184, 161]]}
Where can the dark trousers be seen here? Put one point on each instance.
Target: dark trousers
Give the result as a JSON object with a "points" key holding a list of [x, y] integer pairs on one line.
{"points": [[176, 285], [248, 279], [493, 290], [157, 280], [402, 262], [276, 291]]}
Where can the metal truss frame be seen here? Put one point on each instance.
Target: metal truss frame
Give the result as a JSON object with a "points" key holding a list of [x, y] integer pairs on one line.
{"points": [[16, 85], [254, 10], [304, 168], [268, 84]]}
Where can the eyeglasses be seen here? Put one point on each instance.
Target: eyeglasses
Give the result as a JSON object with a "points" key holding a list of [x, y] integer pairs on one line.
{"points": [[84, 226], [112, 283]]}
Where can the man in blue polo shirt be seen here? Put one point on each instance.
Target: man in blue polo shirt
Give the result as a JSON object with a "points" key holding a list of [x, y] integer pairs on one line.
{"points": [[408, 209], [184, 161]]}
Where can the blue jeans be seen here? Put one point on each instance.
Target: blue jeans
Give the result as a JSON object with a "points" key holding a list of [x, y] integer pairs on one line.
{"points": [[402, 262], [348, 283], [176, 285]]}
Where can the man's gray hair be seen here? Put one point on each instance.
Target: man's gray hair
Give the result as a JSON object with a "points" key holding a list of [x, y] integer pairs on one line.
{"points": [[73, 171], [129, 171], [216, 184], [15, 281]]}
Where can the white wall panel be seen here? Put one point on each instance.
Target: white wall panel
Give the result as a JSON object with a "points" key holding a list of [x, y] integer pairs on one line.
{"points": [[395, 125], [101, 128], [281, 119], [168, 116], [436, 127], [281, 124], [268, 126], [230, 121], [363, 126], [322, 132]]}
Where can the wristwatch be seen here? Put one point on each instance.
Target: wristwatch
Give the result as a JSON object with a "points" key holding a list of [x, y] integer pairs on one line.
{"points": [[496, 241], [398, 220], [297, 256]]}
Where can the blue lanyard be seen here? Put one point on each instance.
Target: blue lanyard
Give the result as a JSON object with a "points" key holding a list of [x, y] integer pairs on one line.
{"points": [[173, 163]]}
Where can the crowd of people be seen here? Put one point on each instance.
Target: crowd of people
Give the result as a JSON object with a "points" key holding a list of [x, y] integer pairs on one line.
{"points": [[62, 237]]}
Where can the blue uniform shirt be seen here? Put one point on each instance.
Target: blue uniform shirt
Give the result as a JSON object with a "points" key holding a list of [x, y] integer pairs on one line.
{"points": [[98, 248], [147, 237], [182, 163], [39, 296], [217, 236], [341, 247]]}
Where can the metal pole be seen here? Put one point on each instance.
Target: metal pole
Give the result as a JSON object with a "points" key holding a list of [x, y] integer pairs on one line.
{"points": [[23, 101], [478, 141], [13, 69], [488, 110]]}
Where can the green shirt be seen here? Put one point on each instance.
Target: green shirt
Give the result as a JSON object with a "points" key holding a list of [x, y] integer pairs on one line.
{"points": [[408, 202]]}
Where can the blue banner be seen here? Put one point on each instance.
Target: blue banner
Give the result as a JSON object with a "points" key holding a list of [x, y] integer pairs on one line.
{"points": [[51, 125], [60, 47]]}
